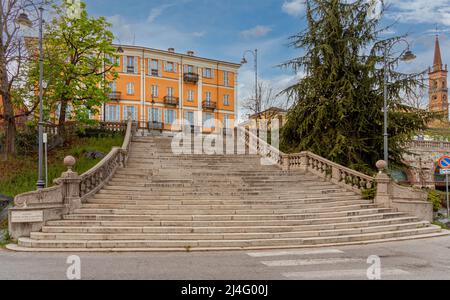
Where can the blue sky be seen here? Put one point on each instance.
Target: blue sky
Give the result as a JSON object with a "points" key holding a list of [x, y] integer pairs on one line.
{"points": [[225, 29]]}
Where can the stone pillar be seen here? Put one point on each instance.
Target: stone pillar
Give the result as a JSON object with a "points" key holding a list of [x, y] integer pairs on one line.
{"points": [[71, 186], [304, 162], [286, 163], [384, 195]]}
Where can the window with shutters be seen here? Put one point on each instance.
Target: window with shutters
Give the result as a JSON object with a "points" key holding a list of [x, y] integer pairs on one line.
{"points": [[154, 69], [208, 120], [154, 115], [129, 112], [169, 66], [208, 97], [170, 92], [112, 113], [130, 64], [226, 100], [169, 116], [154, 90], [189, 117], [130, 88], [191, 95], [226, 78], [207, 72]]}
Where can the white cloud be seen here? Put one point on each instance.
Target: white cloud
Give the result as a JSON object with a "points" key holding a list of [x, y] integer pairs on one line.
{"points": [[420, 11], [156, 12], [293, 7], [256, 32]]}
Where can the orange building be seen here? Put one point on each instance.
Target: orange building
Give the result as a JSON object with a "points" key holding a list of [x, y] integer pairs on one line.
{"points": [[160, 88], [438, 83]]}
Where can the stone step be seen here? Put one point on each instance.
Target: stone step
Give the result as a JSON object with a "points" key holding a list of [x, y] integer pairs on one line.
{"points": [[188, 245], [211, 217], [247, 229], [185, 211], [104, 194], [224, 236], [141, 199], [105, 204], [233, 223]]}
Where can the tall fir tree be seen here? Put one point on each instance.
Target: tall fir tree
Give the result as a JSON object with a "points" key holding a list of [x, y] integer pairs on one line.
{"points": [[338, 104]]}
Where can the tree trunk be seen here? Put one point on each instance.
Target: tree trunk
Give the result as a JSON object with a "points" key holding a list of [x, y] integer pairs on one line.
{"points": [[9, 123], [62, 122]]}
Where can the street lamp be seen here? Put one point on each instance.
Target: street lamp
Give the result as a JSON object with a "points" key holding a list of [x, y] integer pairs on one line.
{"points": [[407, 56], [244, 61], [23, 19]]}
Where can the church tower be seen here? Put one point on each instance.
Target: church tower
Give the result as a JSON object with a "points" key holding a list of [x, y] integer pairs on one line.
{"points": [[438, 83]]}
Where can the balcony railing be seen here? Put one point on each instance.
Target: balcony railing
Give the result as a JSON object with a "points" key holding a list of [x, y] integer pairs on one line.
{"points": [[130, 69], [191, 77], [170, 100], [115, 96], [154, 125], [209, 105]]}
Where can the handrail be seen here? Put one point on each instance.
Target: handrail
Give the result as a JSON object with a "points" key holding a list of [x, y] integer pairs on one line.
{"points": [[316, 164], [94, 179]]}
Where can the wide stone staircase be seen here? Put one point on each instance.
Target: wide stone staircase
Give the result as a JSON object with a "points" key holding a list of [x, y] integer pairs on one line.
{"points": [[167, 202]]}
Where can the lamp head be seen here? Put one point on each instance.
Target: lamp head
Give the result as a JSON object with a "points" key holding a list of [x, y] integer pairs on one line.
{"points": [[23, 20], [408, 56], [243, 61]]}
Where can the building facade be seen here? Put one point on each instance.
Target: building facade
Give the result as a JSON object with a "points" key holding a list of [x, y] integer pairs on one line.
{"points": [[164, 89], [438, 94]]}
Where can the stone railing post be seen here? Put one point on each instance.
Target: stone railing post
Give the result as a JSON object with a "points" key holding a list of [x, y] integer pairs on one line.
{"points": [[304, 162], [286, 163], [71, 186], [384, 193]]}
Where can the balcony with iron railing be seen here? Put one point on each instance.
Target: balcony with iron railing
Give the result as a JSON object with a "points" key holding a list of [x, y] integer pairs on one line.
{"points": [[191, 77], [116, 96], [130, 69], [209, 105], [171, 100]]}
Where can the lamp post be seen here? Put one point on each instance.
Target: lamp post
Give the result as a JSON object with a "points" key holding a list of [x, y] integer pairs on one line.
{"points": [[407, 56], [24, 20], [244, 61]]}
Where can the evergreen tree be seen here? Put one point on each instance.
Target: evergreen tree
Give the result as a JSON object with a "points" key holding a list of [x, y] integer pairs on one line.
{"points": [[338, 104]]}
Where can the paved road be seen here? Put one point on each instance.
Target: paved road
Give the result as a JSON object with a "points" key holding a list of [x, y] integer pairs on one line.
{"points": [[420, 259]]}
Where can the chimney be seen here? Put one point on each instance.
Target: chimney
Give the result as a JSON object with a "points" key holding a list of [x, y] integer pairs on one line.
{"points": [[190, 53], [171, 50]]}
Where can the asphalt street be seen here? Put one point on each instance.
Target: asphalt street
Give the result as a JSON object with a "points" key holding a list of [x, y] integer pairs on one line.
{"points": [[418, 259]]}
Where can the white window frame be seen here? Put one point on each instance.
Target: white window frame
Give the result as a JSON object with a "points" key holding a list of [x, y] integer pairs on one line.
{"points": [[189, 117], [130, 88], [207, 72], [152, 112], [172, 113], [154, 90], [170, 91], [226, 100], [226, 80], [112, 113], [126, 112], [191, 95], [166, 67], [208, 97]]}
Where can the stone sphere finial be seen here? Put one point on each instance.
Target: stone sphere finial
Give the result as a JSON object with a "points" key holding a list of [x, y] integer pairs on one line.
{"points": [[381, 165], [69, 162]]}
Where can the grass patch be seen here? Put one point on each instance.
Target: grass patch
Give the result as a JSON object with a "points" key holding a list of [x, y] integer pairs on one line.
{"points": [[19, 175], [442, 225]]}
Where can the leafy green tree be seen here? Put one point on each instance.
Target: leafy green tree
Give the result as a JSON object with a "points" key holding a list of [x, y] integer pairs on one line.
{"points": [[78, 65], [337, 110]]}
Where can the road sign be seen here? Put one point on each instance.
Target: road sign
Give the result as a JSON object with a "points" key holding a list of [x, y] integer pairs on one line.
{"points": [[444, 171], [444, 162]]}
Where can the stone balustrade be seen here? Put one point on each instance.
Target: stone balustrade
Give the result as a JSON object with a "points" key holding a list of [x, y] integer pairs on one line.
{"points": [[429, 145], [388, 193], [31, 210]]}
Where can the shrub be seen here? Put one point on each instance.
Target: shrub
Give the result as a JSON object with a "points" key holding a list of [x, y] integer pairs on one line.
{"points": [[435, 198], [369, 194]]}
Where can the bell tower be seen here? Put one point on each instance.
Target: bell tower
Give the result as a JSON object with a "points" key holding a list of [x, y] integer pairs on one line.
{"points": [[438, 83]]}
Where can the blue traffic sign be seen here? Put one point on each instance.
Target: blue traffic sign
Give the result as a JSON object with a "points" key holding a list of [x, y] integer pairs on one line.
{"points": [[444, 162]]}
